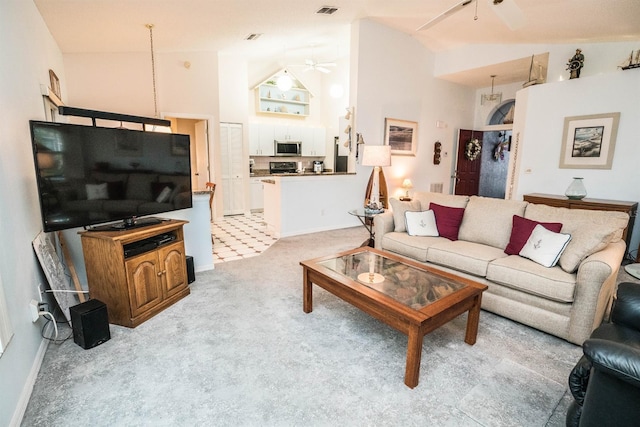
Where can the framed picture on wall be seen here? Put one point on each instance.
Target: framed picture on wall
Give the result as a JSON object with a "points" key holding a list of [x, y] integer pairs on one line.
{"points": [[401, 135], [588, 142]]}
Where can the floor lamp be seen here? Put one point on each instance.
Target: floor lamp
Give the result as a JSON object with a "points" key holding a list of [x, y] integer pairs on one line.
{"points": [[376, 156]]}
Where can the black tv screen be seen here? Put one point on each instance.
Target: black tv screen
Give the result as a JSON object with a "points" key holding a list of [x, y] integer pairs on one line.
{"points": [[90, 175]]}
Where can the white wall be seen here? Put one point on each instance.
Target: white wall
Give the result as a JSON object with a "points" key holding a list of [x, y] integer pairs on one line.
{"points": [[395, 81], [547, 105], [27, 52]]}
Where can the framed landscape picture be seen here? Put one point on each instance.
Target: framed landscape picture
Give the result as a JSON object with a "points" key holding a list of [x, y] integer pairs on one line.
{"points": [[588, 141], [401, 135]]}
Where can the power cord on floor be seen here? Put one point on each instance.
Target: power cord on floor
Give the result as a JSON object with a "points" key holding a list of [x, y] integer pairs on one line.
{"points": [[52, 319]]}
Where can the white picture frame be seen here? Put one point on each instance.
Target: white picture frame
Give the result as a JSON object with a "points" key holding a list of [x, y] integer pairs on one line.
{"points": [[588, 142]]}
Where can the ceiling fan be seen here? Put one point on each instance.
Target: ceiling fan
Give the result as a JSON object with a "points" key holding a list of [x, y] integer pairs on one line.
{"points": [[312, 65], [507, 10]]}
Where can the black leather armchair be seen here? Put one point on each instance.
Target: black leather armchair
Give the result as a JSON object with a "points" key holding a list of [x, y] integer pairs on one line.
{"points": [[605, 382]]}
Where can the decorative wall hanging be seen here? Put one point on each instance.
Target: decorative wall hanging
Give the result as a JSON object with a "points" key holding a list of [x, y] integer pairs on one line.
{"points": [[401, 135], [589, 141], [472, 149], [437, 149]]}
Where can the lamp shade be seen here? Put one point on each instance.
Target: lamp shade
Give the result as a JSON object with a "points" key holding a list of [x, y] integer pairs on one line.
{"points": [[376, 155], [407, 183]]}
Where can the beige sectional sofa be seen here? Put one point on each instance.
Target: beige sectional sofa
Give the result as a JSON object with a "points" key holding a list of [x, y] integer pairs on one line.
{"points": [[568, 300]]}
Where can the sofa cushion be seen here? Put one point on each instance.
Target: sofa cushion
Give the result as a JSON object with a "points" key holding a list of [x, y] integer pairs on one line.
{"points": [[525, 275], [448, 220], [488, 220], [521, 230], [544, 246], [421, 223], [410, 246], [590, 230], [399, 208], [472, 258]]}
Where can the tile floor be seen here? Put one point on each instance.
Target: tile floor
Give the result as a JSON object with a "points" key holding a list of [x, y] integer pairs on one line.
{"points": [[239, 236]]}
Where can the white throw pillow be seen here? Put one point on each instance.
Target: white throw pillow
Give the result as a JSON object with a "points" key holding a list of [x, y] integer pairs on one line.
{"points": [[164, 195], [97, 191], [544, 246], [421, 223]]}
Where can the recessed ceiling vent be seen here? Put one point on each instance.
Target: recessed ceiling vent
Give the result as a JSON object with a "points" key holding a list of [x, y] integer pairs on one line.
{"points": [[327, 10], [253, 36]]}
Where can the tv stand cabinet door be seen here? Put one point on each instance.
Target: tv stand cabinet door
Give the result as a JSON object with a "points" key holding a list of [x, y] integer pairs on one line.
{"points": [[144, 278], [174, 268]]}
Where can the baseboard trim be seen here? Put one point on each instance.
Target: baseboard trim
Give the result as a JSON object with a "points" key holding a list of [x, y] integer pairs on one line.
{"points": [[25, 395]]}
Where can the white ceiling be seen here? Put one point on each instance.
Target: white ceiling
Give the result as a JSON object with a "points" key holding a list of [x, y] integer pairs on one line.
{"points": [[292, 30]]}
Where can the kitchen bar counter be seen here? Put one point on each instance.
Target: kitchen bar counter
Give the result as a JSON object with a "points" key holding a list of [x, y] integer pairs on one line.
{"points": [[267, 174], [307, 203]]}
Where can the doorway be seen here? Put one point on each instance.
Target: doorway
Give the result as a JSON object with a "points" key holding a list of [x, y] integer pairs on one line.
{"points": [[484, 172]]}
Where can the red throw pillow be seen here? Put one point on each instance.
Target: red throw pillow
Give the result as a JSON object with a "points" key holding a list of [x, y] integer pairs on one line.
{"points": [[448, 220], [522, 229]]}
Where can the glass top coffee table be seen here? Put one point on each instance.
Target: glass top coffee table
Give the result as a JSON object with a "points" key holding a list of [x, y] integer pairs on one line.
{"points": [[412, 298]]}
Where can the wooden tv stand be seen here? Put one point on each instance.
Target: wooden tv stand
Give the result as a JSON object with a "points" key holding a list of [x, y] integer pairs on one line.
{"points": [[136, 287]]}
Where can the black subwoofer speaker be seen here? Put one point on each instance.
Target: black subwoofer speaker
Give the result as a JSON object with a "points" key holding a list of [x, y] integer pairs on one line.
{"points": [[191, 272], [90, 323]]}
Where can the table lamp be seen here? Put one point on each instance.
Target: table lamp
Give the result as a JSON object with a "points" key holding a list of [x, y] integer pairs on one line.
{"points": [[376, 156], [406, 184]]}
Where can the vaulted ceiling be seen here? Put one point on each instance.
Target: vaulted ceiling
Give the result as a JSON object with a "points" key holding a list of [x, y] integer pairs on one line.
{"points": [[292, 29]]}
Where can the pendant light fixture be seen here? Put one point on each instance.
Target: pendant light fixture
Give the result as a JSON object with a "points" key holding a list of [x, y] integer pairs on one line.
{"points": [[284, 82], [153, 71], [493, 97]]}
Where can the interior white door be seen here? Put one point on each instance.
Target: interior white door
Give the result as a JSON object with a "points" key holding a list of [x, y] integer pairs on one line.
{"points": [[202, 154], [231, 167]]}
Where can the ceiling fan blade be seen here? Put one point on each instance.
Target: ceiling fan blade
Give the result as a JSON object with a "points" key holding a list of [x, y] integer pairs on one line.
{"points": [[326, 64], [509, 12], [444, 14], [322, 69]]}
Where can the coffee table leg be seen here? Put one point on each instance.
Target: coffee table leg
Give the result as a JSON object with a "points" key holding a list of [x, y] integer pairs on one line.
{"points": [[307, 293], [473, 318], [414, 355]]}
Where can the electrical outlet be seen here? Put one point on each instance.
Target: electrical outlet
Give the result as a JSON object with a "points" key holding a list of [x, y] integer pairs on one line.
{"points": [[35, 310]]}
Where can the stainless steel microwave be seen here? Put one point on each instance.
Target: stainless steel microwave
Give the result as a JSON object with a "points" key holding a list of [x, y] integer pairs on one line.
{"points": [[288, 148]]}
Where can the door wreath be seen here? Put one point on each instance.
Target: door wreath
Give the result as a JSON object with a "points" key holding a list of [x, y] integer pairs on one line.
{"points": [[472, 149]]}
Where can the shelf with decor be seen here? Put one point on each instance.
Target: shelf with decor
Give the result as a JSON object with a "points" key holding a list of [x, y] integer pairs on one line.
{"points": [[271, 99]]}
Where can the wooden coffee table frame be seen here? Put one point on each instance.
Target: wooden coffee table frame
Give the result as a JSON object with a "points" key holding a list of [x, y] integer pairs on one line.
{"points": [[413, 323]]}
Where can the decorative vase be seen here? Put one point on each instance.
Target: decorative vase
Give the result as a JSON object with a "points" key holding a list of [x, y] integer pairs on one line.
{"points": [[576, 189]]}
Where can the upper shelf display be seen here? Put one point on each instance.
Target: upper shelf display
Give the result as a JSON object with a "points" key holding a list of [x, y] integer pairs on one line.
{"points": [[282, 94]]}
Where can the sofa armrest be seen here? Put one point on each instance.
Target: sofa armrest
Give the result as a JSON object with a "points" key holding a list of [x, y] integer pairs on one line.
{"points": [[595, 286], [382, 224], [617, 359], [579, 378], [626, 308]]}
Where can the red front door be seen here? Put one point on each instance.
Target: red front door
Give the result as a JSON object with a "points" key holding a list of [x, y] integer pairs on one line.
{"points": [[467, 174]]}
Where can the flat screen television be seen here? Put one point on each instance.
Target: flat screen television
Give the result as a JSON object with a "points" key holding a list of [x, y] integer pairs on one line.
{"points": [[88, 175]]}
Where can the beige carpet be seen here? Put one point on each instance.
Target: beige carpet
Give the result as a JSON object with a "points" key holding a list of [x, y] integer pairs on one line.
{"points": [[240, 351]]}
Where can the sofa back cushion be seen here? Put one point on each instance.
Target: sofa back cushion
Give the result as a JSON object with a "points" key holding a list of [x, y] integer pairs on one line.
{"points": [[590, 230], [488, 221], [451, 200], [399, 208]]}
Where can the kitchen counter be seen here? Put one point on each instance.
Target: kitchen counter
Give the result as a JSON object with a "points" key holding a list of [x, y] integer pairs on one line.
{"points": [[259, 175], [307, 203]]}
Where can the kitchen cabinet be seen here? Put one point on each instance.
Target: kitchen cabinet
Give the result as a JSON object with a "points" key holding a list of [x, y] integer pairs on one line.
{"points": [[314, 142], [288, 133], [257, 194], [261, 137], [136, 287]]}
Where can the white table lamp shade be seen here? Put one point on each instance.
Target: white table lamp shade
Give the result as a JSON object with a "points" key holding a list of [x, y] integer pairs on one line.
{"points": [[376, 155]]}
